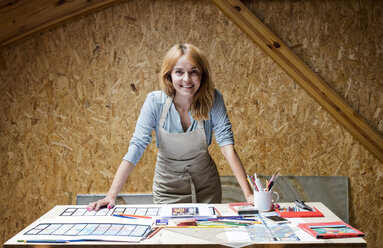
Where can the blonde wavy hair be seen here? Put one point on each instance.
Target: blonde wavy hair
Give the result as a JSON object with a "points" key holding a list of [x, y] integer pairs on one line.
{"points": [[204, 97]]}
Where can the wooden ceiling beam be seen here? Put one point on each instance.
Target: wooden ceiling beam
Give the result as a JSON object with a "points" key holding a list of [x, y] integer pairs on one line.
{"points": [[19, 19], [303, 75]]}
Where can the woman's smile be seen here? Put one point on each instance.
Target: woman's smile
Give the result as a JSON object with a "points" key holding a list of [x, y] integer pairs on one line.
{"points": [[186, 77]]}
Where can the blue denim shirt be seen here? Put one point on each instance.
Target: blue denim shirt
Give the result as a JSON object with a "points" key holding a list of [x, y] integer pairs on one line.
{"points": [[150, 116]]}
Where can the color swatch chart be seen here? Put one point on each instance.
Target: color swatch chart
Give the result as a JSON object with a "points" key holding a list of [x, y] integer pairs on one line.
{"points": [[89, 229], [282, 232], [146, 211], [271, 232]]}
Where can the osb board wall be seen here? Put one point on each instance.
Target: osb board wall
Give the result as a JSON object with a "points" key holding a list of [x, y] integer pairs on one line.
{"points": [[71, 96], [342, 42]]}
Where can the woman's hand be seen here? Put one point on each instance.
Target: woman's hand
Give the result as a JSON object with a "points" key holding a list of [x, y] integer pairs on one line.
{"points": [[250, 199], [108, 201]]}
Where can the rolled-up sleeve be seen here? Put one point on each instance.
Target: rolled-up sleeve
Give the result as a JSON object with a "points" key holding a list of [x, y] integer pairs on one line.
{"points": [[142, 136], [221, 123]]}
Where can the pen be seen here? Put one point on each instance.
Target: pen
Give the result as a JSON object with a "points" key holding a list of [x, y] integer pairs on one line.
{"points": [[151, 234], [60, 240], [135, 216], [332, 226], [216, 226], [229, 219], [233, 223], [243, 221], [119, 215], [272, 180], [258, 182], [270, 186], [219, 214], [220, 223], [233, 217], [87, 240], [239, 219], [252, 184], [42, 241], [65, 241], [253, 180], [226, 218]]}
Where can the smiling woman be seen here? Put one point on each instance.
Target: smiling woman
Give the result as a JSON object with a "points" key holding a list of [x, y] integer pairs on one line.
{"points": [[184, 115]]}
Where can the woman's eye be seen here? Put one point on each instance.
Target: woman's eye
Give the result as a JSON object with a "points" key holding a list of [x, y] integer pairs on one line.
{"points": [[179, 72], [195, 72]]}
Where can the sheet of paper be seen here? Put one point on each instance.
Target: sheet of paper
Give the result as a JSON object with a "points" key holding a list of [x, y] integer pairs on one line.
{"points": [[149, 210], [302, 235], [236, 235], [259, 233], [102, 228], [186, 210]]}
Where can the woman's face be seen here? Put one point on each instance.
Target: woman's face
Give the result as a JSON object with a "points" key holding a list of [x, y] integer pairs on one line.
{"points": [[186, 77]]}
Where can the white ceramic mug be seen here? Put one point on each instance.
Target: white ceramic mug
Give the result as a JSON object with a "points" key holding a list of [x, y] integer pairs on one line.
{"points": [[263, 200]]}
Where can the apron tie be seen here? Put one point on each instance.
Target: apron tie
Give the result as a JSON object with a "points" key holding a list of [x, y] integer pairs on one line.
{"points": [[192, 187]]}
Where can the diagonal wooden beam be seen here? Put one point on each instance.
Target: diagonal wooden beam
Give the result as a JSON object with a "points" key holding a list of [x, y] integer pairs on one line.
{"points": [[19, 19], [303, 75]]}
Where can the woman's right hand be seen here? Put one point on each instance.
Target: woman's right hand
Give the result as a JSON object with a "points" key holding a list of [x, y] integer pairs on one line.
{"points": [[109, 202]]}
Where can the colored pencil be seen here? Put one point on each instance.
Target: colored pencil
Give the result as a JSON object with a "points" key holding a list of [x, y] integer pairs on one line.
{"points": [[135, 216]]}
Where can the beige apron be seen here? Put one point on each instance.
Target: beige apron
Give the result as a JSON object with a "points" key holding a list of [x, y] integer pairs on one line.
{"points": [[185, 172]]}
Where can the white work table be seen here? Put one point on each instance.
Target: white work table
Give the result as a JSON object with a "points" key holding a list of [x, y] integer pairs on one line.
{"points": [[186, 237]]}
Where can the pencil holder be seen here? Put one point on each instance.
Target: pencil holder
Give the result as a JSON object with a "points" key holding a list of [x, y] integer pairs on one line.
{"points": [[263, 200]]}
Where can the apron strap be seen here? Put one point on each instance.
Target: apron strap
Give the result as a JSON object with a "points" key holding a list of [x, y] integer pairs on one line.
{"points": [[201, 125], [192, 186], [165, 110]]}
